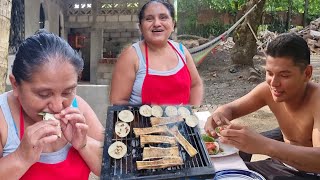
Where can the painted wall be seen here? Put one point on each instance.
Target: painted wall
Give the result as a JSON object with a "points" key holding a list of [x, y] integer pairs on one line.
{"points": [[52, 10]]}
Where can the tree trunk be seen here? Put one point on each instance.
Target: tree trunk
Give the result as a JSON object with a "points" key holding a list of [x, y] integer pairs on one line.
{"points": [[305, 13], [245, 43], [236, 6], [5, 15], [289, 15]]}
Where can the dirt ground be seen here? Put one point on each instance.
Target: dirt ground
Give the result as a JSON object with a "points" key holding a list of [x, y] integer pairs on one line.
{"points": [[225, 82]]}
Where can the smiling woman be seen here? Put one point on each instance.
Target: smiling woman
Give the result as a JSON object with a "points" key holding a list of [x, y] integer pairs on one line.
{"points": [[156, 70], [44, 80]]}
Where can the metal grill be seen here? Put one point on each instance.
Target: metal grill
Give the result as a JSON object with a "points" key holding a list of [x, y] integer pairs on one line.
{"points": [[125, 168]]}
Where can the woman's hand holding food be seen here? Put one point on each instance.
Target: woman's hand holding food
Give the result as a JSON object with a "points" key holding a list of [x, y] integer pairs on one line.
{"points": [[215, 120], [34, 139], [243, 138], [74, 127]]}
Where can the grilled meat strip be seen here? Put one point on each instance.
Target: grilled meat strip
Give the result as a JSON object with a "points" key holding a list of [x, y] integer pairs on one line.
{"points": [[155, 139], [159, 152], [158, 121], [162, 163], [150, 130], [184, 143]]}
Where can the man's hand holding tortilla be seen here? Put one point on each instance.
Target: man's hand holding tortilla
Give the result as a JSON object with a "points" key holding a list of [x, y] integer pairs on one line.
{"points": [[244, 139], [217, 119]]}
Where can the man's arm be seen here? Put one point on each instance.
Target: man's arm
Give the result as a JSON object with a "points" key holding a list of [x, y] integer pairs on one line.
{"points": [[299, 157], [249, 103]]}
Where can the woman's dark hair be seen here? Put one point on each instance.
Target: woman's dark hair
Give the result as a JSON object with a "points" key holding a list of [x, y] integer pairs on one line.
{"points": [[168, 5], [292, 46], [38, 50]]}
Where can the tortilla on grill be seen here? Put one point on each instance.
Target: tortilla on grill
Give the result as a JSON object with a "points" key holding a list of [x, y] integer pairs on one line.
{"points": [[157, 111], [159, 152], [48, 116], [161, 163], [192, 120], [171, 111], [122, 129], [183, 111], [117, 150], [145, 111], [126, 116], [150, 130]]}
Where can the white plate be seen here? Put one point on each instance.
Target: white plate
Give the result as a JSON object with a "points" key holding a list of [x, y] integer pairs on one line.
{"points": [[238, 175], [227, 150]]}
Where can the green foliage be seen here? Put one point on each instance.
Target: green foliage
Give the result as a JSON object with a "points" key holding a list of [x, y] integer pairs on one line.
{"points": [[190, 9]]}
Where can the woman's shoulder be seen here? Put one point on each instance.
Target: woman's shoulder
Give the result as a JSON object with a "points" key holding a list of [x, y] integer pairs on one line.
{"points": [[128, 54]]}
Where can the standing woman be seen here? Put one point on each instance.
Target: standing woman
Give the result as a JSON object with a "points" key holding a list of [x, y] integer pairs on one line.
{"points": [[44, 79], [156, 70]]}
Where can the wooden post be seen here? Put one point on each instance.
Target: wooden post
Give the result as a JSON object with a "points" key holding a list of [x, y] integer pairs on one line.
{"points": [[5, 16]]}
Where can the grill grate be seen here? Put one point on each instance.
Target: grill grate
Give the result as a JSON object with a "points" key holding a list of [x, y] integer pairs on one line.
{"points": [[125, 168]]}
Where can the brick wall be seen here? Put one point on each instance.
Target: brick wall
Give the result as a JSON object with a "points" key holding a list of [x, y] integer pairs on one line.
{"points": [[115, 40]]}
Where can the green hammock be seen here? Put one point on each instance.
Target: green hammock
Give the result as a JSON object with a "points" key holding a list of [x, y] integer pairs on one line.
{"points": [[199, 53]]}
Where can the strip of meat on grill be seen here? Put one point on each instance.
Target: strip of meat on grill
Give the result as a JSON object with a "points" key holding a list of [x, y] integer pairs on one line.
{"points": [[158, 121], [150, 130], [157, 139], [184, 143], [159, 152], [161, 163]]}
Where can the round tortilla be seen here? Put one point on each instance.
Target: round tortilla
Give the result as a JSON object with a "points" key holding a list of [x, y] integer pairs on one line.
{"points": [[184, 112], [171, 111], [157, 111], [117, 150], [192, 121], [145, 111], [126, 116], [122, 129]]}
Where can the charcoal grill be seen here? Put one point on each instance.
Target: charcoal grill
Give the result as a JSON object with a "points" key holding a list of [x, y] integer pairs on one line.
{"points": [[198, 166]]}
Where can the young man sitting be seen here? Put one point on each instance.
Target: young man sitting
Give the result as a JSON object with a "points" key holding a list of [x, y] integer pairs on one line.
{"points": [[295, 102]]}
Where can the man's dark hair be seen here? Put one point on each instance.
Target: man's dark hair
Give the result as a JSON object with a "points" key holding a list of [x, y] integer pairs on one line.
{"points": [[292, 46], [42, 48]]}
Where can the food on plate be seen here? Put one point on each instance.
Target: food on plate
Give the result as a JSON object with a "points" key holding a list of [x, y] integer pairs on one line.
{"points": [[158, 121], [192, 120], [126, 116], [122, 129], [48, 116], [171, 111], [183, 111], [117, 150], [156, 111], [159, 152], [207, 138], [150, 130], [213, 148], [145, 111], [219, 129], [184, 143], [157, 139], [161, 163]]}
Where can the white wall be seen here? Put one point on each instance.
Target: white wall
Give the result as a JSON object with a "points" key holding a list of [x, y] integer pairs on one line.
{"points": [[52, 11], [32, 11]]}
